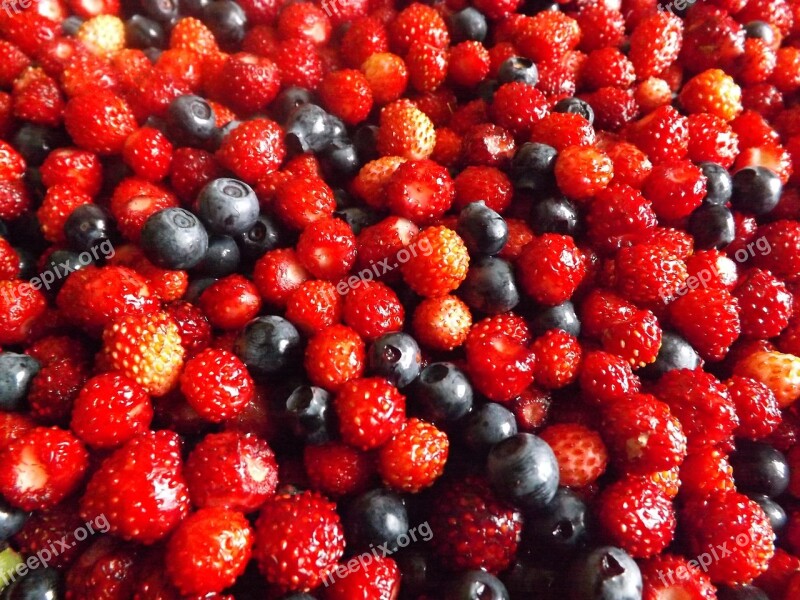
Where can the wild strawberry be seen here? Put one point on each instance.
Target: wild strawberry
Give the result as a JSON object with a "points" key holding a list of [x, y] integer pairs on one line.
{"points": [[299, 63], [231, 302], [636, 515], [304, 20], [581, 172], [711, 139], [9, 261], [347, 94], [216, 384], [57, 206], [613, 107], [405, 131], [558, 357], [550, 268], [146, 348], [54, 388], [499, 363], [647, 273], [779, 372], [370, 412], [437, 262], [148, 153], [713, 92], [135, 200], [643, 435], [15, 63], [299, 540], [671, 574], [327, 248], [301, 201], [636, 339], [37, 98], [231, 470], [458, 118], [249, 82], [75, 168], [580, 452], [607, 67], [208, 551], [106, 568], [190, 170], [252, 150], [420, 190], [675, 188], [475, 529], [702, 404], [655, 43], [547, 35], [780, 574], [708, 319], [487, 184], [373, 309], [561, 130], [414, 458], [765, 305], [729, 520], [415, 25], [711, 39], [601, 309], [21, 305], [314, 306], [387, 76], [191, 34], [365, 37], [468, 64], [277, 274], [378, 579], [99, 121], [427, 67], [631, 165], [487, 144], [140, 488], [57, 523], [337, 469], [41, 467], [600, 25], [756, 406], [606, 378], [617, 215], [334, 356], [663, 134], [783, 258]]}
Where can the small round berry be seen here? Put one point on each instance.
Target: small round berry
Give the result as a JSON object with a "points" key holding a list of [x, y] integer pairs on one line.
{"points": [[228, 206], [173, 238], [756, 190]]}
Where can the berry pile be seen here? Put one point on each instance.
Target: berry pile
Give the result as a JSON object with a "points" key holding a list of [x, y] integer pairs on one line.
{"points": [[377, 300]]}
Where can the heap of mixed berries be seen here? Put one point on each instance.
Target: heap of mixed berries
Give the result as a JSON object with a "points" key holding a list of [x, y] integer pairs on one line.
{"points": [[377, 300]]}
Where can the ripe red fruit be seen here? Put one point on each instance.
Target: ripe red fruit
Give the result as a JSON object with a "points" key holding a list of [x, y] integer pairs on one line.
{"points": [[765, 305], [581, 172], [347, 94], [672, 575], [216, 384], [756, 407], [373, 309], [487, 184], [655, 43], [99, 121], [327, 248], [54, 388], [334, 356], [148, 153], [370, 411], [649, 273], [406, 131], [301, 201], [662, 135], [580, 452], [249, 82], [420, 190], [779, 372], [561, 130], [337, 469], [436, 262], [75, 168], [606, 378], [415, 25], [414, 458], [550, 268], [499, 362], [708, 319], [252, 150], [713, 92], [58, 204], [379, 578], [314, 306], [558, 357], [547, 35], [21, 305], [230, 302], [675, 189]]}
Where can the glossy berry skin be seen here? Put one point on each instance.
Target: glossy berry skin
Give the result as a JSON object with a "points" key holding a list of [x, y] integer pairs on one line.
{"points": [[311, 412], [490, 287], [756, 190], [550, 268], [370, 412], [11, 520], [268, 345], [414, 458], [16, 373], [174, 239], [483, 230], [228, 206], [442, 392], [439, 263], [524, 470], [230, 302], [580, 452], [395, 357], [758, 468], [334, 357], [376, 517], [561, 526], [488, 425], [216, 384], [605, 573], [475, 585], [40, 583]]}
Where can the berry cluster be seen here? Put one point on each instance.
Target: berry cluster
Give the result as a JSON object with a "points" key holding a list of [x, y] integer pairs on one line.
{"points": [[376, 300]]}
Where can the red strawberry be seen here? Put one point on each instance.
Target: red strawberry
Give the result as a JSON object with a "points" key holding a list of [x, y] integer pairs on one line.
{"points": [[636, 515], [54, 388], [415, 25], [765, 305], [373, 309], [713, 92], [405, 131], [347, 95], [327, 248], [278, 274], [558, 358], [708, 319], [216, 384], [107, 569], [436, 262], [420, 190], [386, 74], [41, 467], [370, 411], [57, 523], [148, 153], [636, 339], [299, 540], [336, 469], [547, 35], [729, 520], [601, 309], [57, 206], [208, 551], [580, 452], [675, 188], [140, 488], [231, 302], [21, 305], [581, 172], [252, 150], [378, 579], [365, 37], [662, 135], [779, 372], [487, 184], [780, 252], [606, 378], [78, 169], [550, 268], [442, 322], [427, 67], [649, 273], [99, 121], [301, 201], [414, 458], [672, 575], [756, 407], [314, 306], [655, 43], [712, 139], [474, 529], [334, 356]]}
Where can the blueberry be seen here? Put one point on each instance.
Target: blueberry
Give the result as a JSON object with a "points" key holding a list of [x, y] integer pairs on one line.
{"points": [[523, 469], [268, 345], [468, 24], [263, 236], [152, 54], [518, 68], [11, 520], [28, 264], [415, 565], [760, 30], [490, 287], [287, 100], [756, 190], [312, 414], [554, 214], [227, 21], [741, 592], [521, 577], [561, 316], [357, 217], [774, 511], [476, 585], [193, 8], [376, 519], [16, 373], [173, 238], [228, 206], [162, 11], [560, 526], [483, 230], [486, 90], [575, 106], [196, 287], [38, 584], [711, 226], [339, 161], [442, 392], [533, 167], [221, 133], [605, 573], [719, 185], [36, 142], [675, 353], [310, 129], [759, 468], [71, 25], [222, 257], [190, 120], [298, 596], [366, 142], [395, 356], [88, 227], [60, 264], [487, 426]]}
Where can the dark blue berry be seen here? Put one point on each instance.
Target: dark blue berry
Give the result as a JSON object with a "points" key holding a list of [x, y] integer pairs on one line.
{"points": [[366, 142], [174, 238], [38, 584], [490, 287], [487, 426], [518, 68], [89, 226], [71, 25], [575, 106], [555, 214], [339, 161], [442, 393], [476, 585], [561, 316], [266, 234], [312, 414], [222, 257], [483, 230], [774, 511], [227, 21], [533, 167], [756, 190], [16, 373], [268, 344], [675, 353], [289, 99], [524, 470], [190, 120], [197, 286], [759, 468], [719, 185], [741, 592], [357, 217], [310, 129], [376, 519], [559, 527], [468, 24], [162, 11], [760, 30], [60, 264], [228, 206], [36, 142], [605, 573], [396, 357], [712, 226], [11, 520], [522, 577], [193, 8]]}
